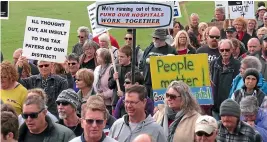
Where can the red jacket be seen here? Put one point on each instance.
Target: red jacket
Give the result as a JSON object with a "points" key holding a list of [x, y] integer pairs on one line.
{"points": [[113, 41]]}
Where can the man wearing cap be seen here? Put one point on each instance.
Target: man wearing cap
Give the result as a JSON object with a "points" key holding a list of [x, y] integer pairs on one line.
{"points": [[231, 128], [261, 12], [157, 48], [262, 56], [206, 129], [67, 104], [256, 117]]}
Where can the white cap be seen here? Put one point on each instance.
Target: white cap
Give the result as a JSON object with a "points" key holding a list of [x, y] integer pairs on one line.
{"points": [[262, 8], [206, 124]]}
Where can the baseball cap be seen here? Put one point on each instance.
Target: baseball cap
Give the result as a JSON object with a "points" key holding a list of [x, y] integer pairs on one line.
{"points": [[230, 29], [206, 124]]}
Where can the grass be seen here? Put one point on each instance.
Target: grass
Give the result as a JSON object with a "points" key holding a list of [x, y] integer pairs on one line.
{"points": [[12, 30]]}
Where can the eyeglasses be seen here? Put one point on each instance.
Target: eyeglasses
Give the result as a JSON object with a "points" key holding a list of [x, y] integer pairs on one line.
{"points": [[72, 64], [32, 115], [78, 79], [130, 102], [45, 65], [127, 82], [80, 36], [156, 38], [63, 103], [200, 134], [226, 50], [92, 121], [126, 38], [171, 96], [216, 37]]}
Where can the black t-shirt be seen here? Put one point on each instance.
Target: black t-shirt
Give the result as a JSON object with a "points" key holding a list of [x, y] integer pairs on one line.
{"points": [[78, 130], [213, 53], [35, 137], [89, 65]]}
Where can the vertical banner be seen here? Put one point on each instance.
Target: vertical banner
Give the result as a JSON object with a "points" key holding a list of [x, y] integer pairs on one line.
{"points": [[191, 69], [4, 9], [46, 39], [92, 17]]}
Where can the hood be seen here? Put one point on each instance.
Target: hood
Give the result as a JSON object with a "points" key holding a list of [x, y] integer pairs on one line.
{"points": [[261, 116], [149, 120]]}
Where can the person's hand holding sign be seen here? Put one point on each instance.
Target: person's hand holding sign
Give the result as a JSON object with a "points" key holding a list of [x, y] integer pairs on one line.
{"points": [[21, 60], [115, 75]]}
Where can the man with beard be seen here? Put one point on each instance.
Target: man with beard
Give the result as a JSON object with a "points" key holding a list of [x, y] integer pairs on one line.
{"points": [[262, 56], [212, 48], [157, 48], [223, 70], [67, 104]]}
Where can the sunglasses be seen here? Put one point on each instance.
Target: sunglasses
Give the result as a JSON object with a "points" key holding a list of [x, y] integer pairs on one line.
{"points": [[226, 50], [156, 38], [63, 103], [128, 38], [127, 82], [216, 37], [91, 121], [45, 65], [171, 96], [32, 115], [71, 64], [200, 134], [80, 36]]}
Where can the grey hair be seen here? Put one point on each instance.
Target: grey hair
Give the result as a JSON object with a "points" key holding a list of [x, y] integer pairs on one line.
{"points": [[35, 100], [220, 9], [189, 102], [252, 62], [90, 43], [104, 37], [83, 29], [227, 41], [249, 104], [194, 14]]}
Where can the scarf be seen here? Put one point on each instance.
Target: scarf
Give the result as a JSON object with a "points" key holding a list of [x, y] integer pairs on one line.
{"points": [[168, 114], [102, 70], [174, 124]]}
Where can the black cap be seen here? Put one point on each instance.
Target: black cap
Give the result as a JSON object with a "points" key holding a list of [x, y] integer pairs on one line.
{"points": [[230, 29]]}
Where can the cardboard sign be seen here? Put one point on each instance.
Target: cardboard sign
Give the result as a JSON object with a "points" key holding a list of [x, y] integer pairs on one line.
{"points": [[224, 5], [46, 39], [191, 69], [245, 10], [4, 9], [134, 15], [92, 17]]}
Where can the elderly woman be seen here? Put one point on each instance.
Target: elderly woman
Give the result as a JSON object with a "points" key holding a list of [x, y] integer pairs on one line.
{"points": [[12, 92], [252, 26], [201, 28], [261, 32], [241, 26], [101, 75], [248, 62], [84, 81], [83, 35], [104, 42], [179, 114], [182, 44], [254, 116], [88, 59]]}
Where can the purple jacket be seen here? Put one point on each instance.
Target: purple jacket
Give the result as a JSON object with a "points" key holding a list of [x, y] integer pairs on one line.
{"points": [[120, 109]]}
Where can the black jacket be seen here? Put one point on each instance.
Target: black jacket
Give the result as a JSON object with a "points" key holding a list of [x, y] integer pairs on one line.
{"points": [[222, 79], [245, 39], [54, 132]]}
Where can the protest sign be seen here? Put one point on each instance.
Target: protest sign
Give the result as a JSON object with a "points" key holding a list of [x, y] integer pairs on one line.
{"points": [[4, 9], [134, 15], [245, 10], [191, 69], [224, 5], [46, 39], [92, 17], [176, 10]]}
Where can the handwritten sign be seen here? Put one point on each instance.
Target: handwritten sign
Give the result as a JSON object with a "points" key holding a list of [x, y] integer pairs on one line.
{"points": [[245, 10], [191, 69], [46, 39], [134, 15], [224, 5], [92, 17]]}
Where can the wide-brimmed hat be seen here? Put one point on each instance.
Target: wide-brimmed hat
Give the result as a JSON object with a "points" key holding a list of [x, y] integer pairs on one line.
{"points": [[262, 8], [160, 33]]}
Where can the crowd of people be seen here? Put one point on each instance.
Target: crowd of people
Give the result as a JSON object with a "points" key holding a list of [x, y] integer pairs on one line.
{"points": [[91, 97]]}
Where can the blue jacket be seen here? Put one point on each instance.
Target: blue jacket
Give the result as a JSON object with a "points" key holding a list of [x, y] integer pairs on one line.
{"points": [[261, 84], [261, 124]]}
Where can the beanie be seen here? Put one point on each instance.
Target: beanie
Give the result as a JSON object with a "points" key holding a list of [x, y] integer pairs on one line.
{"points": [[230, 107], [69, 96], [253, 72]]}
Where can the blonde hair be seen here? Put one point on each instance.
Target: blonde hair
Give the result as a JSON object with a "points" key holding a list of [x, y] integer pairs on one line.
{"points": [[256, 23], [83, 29], [241, 20], [104, 37], [176, 43], [262, 29], [201, 24], [86, 75]]}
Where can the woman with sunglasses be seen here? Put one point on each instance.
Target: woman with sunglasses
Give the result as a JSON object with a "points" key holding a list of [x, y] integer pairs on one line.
{"points": [[83, 35], [88, 58], [182, 43], [179, 114], [101, 75]]}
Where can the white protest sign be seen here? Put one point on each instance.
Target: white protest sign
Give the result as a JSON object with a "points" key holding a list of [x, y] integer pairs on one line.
{"points": [[224, 5], [134, 15], [245, 10], [176, 10], [46, 39], [92, 17]]}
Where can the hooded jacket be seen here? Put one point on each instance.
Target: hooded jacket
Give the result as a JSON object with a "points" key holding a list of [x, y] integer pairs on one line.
{"points": [[121, 130]]}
